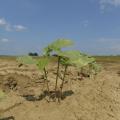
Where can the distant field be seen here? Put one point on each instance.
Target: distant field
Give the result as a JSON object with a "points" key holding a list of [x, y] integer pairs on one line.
{"points": [[98, 58], [107, 58], [4, 57], [13, 58]]}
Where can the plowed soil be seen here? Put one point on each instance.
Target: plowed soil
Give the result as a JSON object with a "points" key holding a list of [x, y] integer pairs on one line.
{"points": [[84, 99]]}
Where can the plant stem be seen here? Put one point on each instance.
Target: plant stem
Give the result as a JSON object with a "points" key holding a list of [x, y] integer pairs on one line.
{"points": [[46, 79], [65, 70], [58, 66]]}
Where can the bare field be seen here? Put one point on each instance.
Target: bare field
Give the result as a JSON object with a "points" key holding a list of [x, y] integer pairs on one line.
{"points": [[106, 59], [84, 99]]}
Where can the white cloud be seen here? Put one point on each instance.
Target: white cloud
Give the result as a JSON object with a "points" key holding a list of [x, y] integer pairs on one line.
{"points": [[85, 23], [105, 3], [2, 22], [4, 40], [19, 28], [8, 27], [110, 2]]}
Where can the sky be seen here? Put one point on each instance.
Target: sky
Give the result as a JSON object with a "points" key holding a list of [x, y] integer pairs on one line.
{"points": [[29, 25]]}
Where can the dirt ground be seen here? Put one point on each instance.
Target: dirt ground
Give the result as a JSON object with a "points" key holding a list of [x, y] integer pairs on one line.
{"points": [[85, 99]]}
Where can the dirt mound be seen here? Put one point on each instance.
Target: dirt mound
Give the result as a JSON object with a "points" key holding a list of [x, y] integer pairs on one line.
{"points": [[14, 82], [88, 99]]}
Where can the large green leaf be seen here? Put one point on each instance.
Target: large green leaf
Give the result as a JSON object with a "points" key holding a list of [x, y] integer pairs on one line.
{"points": [[57, 45], [71, 54], [87, 58], [75, 58], [79, 62], [42, 63], [82, 60], [68, 56], [61, 43], [26, 60]]}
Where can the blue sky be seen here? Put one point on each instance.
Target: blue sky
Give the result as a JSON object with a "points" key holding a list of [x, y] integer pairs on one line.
{"points": [[29, 25]]}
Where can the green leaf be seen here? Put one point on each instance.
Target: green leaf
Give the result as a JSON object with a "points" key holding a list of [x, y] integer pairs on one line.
{"points": [[88, 58], [57, 46], [80, 62], [65, 61], [68, 56], [71, 54], [75, 58], [61, 43], [47, 50], [2, 94], [42, 63], [95, 67], [83, 60], [26, 60]]}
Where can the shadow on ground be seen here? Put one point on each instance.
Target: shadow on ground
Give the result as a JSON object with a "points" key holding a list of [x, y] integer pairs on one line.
{"points": [[51, 95], [8, 118]]}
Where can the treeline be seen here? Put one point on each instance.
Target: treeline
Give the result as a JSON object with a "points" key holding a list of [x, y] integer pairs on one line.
{"points": [[33, 54]]}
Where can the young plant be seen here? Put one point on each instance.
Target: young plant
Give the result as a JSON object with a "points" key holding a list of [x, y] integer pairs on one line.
{"points": [[94, 69], [64, 58], [26, 59], [40, 63], [67, 58], [71, 58], [66, 61], [56, 47]]}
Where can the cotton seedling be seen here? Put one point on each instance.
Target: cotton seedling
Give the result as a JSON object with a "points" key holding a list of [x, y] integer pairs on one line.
{"points": [[26, 59], [40, 63], [94, 69], [73, 58], [56, 47], [67, 58], [64, 58]]}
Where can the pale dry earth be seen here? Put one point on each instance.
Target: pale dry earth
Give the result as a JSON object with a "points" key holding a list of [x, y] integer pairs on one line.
{"points": [[87, 99]]}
